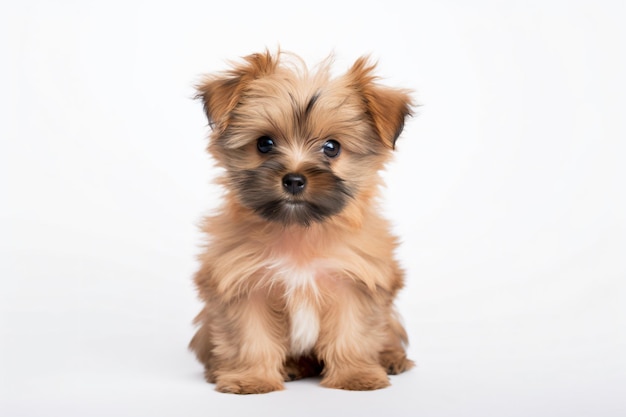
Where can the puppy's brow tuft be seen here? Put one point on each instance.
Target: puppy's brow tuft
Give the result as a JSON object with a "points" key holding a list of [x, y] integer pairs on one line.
{"points": [[311, 103]]}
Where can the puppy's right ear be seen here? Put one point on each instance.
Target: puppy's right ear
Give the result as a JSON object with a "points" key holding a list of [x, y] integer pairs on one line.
{"points": [[221, 93]]}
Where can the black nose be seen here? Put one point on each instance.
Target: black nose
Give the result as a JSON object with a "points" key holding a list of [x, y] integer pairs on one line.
{"points": [[294, 183]]}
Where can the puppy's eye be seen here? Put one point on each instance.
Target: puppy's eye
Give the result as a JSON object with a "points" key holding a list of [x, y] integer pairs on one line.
{"points": [[264, 144], [331, 148]]}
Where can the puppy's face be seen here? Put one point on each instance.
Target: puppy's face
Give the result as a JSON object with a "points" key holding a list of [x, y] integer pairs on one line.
{"points": [[297, 147]]}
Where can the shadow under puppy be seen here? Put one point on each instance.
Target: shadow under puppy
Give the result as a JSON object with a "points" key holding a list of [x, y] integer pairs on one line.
{"points": [[299, 274]]}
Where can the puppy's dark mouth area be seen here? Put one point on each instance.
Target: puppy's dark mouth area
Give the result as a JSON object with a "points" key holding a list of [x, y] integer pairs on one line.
{"points": [[289, 211], [323, 195]]}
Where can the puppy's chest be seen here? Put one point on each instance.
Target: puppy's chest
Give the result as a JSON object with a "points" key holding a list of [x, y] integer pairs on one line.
{"points": [[301, 284]]}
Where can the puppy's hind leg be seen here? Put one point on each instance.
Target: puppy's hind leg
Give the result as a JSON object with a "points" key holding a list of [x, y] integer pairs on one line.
{"points": [[202, 345], [302, 367], [393, 356]]}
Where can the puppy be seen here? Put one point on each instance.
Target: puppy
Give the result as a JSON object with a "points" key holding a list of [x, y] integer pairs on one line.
{"points": [[298, 276]]}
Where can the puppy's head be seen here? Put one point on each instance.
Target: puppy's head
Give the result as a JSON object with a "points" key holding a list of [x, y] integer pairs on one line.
{"points": [[298, 146]]}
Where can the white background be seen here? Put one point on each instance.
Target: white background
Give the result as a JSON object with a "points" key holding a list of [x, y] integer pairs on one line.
{"points": [[507, 190]]}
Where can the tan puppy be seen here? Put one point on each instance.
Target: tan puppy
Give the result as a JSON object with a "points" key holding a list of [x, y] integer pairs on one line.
{"points": [[299, 274]]}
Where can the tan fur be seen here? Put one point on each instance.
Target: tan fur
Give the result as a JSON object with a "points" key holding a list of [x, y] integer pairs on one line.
{"points": [[339, 263]]}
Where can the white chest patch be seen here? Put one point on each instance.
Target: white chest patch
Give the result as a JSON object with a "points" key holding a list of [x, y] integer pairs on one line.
{"points": [[299, 284], [305, 328]]}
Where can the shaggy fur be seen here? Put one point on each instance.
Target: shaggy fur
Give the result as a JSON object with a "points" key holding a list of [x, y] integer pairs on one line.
{"points": [[299, 277]]}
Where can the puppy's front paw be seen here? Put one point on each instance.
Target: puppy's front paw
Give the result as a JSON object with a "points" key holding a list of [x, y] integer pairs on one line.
{"points": [[247, 385], [357, 379]]}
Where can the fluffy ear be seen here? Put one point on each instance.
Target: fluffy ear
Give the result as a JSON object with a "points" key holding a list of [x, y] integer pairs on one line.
{"points": [[387, 107], [221, 93]]}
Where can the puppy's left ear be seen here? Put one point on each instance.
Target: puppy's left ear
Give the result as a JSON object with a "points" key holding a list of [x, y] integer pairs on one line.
{"points": [[387, 107]]}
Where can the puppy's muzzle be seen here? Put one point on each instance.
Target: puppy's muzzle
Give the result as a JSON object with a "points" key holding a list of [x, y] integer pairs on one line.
{"points": [[294, 183]]}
